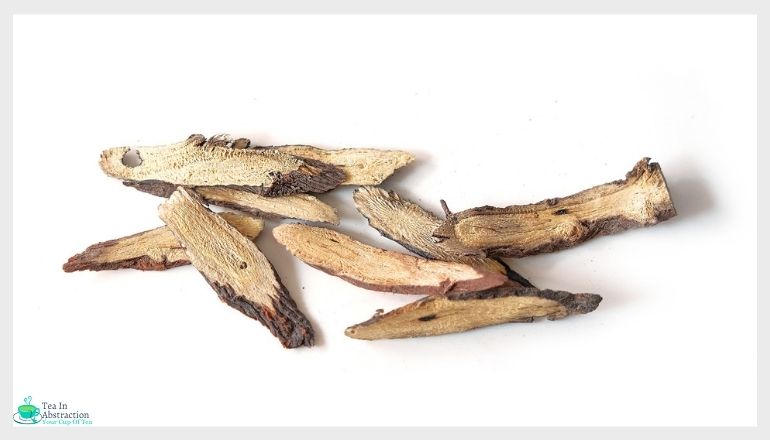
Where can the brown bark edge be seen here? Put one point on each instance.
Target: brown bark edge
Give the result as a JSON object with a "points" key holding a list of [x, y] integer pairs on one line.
{"points": [[287, 323]]}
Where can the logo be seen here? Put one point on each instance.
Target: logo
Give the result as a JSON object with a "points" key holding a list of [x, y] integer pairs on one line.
{"points": [[28, 413], [52, 413]]}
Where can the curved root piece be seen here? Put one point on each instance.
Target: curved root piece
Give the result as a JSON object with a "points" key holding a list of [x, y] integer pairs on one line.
{"points": [[642, 199], [235, 268], [454, 313], [295, 206], [412, 226], [156, 249], [378, 269], [197, 161]]}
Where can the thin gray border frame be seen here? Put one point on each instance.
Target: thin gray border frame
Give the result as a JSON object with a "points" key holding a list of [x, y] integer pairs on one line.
{"points": [[753, 7]]}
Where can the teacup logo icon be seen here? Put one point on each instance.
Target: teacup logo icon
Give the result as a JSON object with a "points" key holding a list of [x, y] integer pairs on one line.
{"points": [[28, 413]]}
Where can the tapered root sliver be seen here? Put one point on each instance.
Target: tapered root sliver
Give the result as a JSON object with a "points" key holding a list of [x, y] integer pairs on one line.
{"points": [[156, 249], [362, 166], [235, 268], [641, 199], [197, 161], [459, 312], [378, 269], [412, 226], [294, 206]]}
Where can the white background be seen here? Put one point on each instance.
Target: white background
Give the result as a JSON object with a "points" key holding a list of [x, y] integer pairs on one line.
{"points": [[498, 110]]}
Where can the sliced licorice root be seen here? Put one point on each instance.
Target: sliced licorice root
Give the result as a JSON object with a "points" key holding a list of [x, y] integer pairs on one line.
{"points": [[235, 268], [156, 249], [197, 161], [378, 269], [412, 226], [294, 206], [362, 166], [641, 199], [459, 312]]}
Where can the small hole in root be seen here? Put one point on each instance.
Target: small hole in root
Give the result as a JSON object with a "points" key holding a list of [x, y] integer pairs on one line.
{"points": [[243, 265], [132, 159]]}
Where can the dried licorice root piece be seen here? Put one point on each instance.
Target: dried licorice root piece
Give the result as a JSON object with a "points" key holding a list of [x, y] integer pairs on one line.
{"points": [[235, 268], [412, 226], [459, 312], [156, 249], [295, 206], [200, 162], [642, 199], [378, 269], [362, 166]]}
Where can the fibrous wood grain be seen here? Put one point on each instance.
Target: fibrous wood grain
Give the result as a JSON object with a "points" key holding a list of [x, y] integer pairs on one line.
{"points": [[295, 206], [641, 199], [412, 226], [235, 268], [458, 312], [197, 161], [362, 166], [379, 269], [156, 249]]}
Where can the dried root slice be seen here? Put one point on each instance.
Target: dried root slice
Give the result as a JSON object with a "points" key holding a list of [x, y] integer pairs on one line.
{"points": [[362, 166], [200, 162], [296, 206], [642, 199], [412, 226], [239, 273], [156, 249], [454, 313], [378, 269]]}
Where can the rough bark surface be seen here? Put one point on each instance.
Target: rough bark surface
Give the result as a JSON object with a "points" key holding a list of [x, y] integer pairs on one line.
{"points": [[459, 312], [295, 206], [197, 161], [379, 269], [412, 226], [156, 249], [235, 268], [641, 199]]}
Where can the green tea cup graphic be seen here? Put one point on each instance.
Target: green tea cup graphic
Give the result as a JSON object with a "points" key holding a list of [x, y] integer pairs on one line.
{"points": [[28, 411]]}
